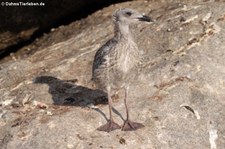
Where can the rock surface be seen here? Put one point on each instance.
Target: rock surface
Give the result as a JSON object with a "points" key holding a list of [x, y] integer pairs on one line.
{"points": [[47, 100]]}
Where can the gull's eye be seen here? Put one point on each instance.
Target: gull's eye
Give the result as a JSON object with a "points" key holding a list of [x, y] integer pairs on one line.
{"points": [[128, 13]]}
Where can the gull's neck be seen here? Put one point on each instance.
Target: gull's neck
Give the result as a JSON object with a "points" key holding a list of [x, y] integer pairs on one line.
{"points": [[122, 31]]}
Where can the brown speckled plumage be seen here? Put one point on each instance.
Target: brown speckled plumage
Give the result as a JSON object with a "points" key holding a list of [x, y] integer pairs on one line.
{"points": [[116, 61]]}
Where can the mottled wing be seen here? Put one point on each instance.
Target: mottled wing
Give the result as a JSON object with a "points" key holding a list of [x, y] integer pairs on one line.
{"points": [[100, 57]]}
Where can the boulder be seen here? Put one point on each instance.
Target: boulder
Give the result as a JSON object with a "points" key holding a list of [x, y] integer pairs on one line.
{"points": [[47, 100]]}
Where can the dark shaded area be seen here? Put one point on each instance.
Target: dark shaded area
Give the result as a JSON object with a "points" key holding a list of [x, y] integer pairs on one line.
{"points": [[53, 14], [66, 92]]}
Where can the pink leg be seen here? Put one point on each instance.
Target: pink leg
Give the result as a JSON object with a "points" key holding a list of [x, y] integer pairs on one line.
{"points": [[129, 125], [110, 125]]}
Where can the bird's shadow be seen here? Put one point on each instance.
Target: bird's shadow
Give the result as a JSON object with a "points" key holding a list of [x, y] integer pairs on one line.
{"points": [[68, 93]]}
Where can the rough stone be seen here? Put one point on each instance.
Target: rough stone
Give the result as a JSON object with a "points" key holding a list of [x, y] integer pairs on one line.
{"points": [[47, 100]]}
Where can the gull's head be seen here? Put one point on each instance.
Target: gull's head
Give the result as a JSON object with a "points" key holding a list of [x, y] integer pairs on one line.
{"points": [[128, 16]]}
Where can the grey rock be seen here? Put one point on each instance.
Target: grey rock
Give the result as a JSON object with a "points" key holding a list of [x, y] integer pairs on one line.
{"points": [[179, 95]]}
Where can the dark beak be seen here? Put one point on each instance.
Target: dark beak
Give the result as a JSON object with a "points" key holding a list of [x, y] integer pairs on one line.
{"points": [[146, 19]]}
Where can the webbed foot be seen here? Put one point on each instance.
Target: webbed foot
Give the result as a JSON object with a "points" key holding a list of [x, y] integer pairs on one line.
{"points": [[129, 126], [109, 126]]}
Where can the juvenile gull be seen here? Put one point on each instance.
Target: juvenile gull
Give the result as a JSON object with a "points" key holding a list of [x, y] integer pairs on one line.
{"points": [[115, 63]]}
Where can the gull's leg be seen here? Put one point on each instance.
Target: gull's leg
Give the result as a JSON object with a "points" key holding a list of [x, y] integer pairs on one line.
{"points": [[129, 125], [110, 125]]}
